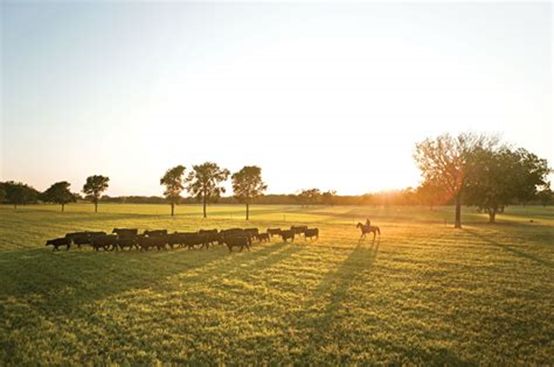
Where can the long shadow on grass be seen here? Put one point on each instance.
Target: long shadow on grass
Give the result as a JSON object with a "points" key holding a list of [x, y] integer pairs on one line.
{"points": [[315, 323], [337, 284], [59, 282], [511, 249], [211, 278]]}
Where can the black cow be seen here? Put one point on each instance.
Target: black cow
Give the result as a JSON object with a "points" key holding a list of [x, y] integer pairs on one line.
{"points": [[263, 237], [238, 240], [274, 231], [195, 239], [127, 241], [299, 229], [211, 236], [175, 239], [253, 232], [76, 234], [156, 232], [311, 232], [125, 231], [106, 242], [145, 242], [83, 238], [287, 234], [57, 242], [229, 232]]}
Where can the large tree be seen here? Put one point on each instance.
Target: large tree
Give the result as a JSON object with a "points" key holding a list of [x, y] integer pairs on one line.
{"points": [[173, 182], [445, 162], [248, 185], [502, 176], [204, 182], [94, 187], [18, 193], [59, 193]]}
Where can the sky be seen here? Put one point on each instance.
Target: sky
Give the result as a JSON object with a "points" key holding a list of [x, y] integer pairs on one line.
{"points": [[329, 95]]}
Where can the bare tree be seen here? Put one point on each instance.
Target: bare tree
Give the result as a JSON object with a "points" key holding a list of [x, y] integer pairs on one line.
{"points": [[445, 161]]}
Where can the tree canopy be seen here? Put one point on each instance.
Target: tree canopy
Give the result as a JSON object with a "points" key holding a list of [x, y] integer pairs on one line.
{"points": [[59, 193], [444, 161], [248, 185], [94, 187], [501, 176], [17, 193], [204, 182], [328, 197], [173, 182]]}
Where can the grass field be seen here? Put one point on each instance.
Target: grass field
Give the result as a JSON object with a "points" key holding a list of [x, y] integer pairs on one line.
{"points": [[424, 294]]}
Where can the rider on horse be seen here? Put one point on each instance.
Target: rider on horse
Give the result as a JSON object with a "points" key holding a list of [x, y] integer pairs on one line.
{"points": [[367, 222]]}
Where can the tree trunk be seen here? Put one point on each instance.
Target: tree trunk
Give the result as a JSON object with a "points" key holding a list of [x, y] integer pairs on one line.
{"points": [[204, 205], [63, 207], [14, 206], [492, 215], [458, 217], [172, 209], [96, 206], [247, 211]]}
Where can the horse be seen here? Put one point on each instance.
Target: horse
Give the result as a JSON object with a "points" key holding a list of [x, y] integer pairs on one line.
{"points": [[368, 229]]}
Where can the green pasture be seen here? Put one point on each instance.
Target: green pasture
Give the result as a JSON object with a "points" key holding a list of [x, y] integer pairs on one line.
{"points": [[424, 294]]}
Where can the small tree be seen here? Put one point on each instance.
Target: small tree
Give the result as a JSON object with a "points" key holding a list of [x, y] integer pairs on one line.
{"points": [[18, 193], [94, 187], [59, 193], [173, 182], [203, 182], [545, 196], [248, 185], [309, 196], [445, 162], [328, 197]]}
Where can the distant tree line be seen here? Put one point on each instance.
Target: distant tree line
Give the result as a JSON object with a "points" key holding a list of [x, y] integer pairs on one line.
{"points": [[467, 169]]}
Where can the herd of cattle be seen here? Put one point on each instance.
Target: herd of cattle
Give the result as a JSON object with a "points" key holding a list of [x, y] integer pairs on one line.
{"points": [[127, 238]]}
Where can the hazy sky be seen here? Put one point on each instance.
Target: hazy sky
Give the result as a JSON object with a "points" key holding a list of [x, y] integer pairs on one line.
{"points": [[329, 95]]}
